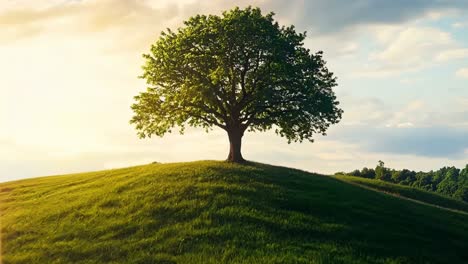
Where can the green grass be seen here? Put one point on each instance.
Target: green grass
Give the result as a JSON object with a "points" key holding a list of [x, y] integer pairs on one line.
{"points": [[216, 212], [408, 192]]}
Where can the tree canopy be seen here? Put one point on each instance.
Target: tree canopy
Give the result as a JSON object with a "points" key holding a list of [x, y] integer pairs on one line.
{"points": [[238, 71]]}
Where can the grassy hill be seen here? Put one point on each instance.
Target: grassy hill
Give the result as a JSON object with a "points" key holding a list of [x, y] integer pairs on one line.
{"points": [[216, 212]]}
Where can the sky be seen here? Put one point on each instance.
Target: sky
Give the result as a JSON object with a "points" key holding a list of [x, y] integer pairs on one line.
{"points": [[69, 71]]}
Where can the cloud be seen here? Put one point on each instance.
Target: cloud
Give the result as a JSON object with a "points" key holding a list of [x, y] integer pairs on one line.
{"points": [[317, 16], [404, 139], [458, 25], [110, 17], [415, 113], [416, 128], [143, 20], [407, 49], [453, 54], [462, 73], [336, 15], [427, 141], [376, 111]]}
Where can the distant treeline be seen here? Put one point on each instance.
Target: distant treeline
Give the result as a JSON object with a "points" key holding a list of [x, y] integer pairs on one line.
{"points": [[448, 181]]}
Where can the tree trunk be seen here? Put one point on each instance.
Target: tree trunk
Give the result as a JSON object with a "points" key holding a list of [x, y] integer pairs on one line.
{"points": [[235, 144]]}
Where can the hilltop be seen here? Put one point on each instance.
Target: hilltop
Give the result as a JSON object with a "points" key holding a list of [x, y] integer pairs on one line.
{"points": [[218, 212]]}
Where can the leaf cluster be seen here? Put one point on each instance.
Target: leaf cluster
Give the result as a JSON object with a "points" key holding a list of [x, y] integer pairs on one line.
{"points": [[240, 70]]}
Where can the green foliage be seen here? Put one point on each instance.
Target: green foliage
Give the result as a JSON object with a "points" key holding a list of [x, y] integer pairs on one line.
{"points": [[382, 173], [219, 212], [368, 173], [449, 184], [365, 173], [237, 71], [423, 181], [462, 193], [406, 177], [448, 181], [396, 176]]}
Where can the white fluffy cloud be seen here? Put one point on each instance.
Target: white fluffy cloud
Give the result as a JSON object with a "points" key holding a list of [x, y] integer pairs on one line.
{"points": [[458, 25], [408, 49], [462, 73], [453, 54], [416, 113]]}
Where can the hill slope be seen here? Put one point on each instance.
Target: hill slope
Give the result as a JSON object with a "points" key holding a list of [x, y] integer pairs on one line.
{"points": [[215, 212], [408, 192]]}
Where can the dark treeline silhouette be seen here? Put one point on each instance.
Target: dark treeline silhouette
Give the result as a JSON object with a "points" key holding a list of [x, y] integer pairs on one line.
{"points": [[448, 181]]}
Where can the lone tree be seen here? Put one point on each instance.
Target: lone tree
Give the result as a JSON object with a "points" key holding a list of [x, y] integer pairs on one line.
{"points": [[238, 71]]}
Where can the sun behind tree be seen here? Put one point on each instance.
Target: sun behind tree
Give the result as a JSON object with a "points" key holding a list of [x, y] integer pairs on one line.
{"points": [[238, 71]]}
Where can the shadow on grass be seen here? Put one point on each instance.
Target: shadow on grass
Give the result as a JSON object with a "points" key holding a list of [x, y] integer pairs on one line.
{"points": [[219, 212]]}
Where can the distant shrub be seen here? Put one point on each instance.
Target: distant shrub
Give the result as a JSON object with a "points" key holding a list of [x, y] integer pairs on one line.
{"points": [[382, 173], [368, 173], [462, 193]]}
